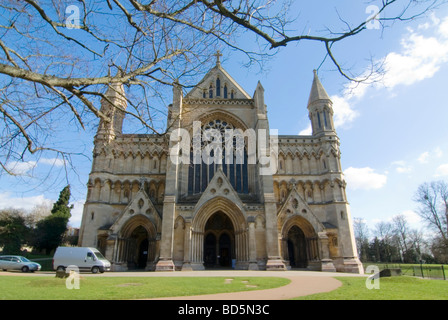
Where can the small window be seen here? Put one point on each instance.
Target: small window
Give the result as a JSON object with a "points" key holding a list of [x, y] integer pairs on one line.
{"points": [[325, 119], [225, 91], [318, 120], [92, 216], [204, 94], [210, 91], [325, 164], [342, 215], [232, 94]]}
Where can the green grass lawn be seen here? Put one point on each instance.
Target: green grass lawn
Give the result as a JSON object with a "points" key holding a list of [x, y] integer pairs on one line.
{"points": [[104, 288], [393, 288]]}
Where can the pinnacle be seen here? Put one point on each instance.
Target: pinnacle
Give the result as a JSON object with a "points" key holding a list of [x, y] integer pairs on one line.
{"points": [[317, 90]]}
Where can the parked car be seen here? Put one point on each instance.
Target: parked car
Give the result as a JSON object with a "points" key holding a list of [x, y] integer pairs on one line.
{"points": [[18, 263], [85, 259]]}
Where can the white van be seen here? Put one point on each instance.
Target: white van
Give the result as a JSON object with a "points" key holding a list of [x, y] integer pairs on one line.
{"points": [[86, 259]]}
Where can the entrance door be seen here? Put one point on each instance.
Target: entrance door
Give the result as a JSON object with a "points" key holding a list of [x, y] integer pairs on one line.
{"points": [[210, 250], [225, 258], [297, 248], [143, 254], [219, 241]]}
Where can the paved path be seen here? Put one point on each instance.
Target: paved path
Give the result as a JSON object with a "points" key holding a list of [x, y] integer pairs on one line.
{"points": [[299, 286]]}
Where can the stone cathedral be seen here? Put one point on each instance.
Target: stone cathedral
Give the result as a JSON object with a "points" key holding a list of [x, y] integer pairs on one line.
{"points": [[146, 211]]}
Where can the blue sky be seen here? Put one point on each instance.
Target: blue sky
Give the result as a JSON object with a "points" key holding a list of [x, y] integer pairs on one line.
{"points": [[393, 133]]}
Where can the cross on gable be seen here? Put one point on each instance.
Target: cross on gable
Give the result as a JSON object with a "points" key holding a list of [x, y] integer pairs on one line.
{"points": [[218, 55]]}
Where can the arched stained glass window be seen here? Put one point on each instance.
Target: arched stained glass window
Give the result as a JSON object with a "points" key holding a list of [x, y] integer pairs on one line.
{"points": [[212, 146]]}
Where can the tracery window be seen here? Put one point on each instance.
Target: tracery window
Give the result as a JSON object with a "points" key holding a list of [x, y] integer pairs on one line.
{"points": [[218, 146]]}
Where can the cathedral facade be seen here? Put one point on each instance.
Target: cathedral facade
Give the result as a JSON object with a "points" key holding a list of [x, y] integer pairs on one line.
{"points": [[219, 190]]}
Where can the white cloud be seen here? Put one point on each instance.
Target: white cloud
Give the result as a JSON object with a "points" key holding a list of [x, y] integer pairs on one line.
{"points": [[26, 203], [426, 156], [75, 220], [442, 170], [307, 131], [412, 217], [343, 112], [52, 161], [420, 59], [20, 167], [423, 158], [402, 167], [421, 56], [364, 178]]}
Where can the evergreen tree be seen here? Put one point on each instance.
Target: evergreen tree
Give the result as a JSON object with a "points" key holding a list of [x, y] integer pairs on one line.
{"points": [[13, 231], [50, 231]]}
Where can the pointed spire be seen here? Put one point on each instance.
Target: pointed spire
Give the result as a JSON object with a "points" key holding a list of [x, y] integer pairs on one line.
{"points": [[317, 90]]}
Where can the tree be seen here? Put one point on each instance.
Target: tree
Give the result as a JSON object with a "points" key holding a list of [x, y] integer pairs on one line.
{"points": [[384, 232], [50, 231], [361, 231], [57, 59], [433, 207], [432, 199], [13, 231]]}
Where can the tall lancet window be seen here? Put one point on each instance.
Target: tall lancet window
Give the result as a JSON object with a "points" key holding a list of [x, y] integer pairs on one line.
{"points": [[225, 91], [218, 87], [318, 120], [325, 119]]}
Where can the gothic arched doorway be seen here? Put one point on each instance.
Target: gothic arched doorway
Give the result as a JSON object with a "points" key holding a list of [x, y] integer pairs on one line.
{"points": [[300, 245], [219, 243], [136, 247]]}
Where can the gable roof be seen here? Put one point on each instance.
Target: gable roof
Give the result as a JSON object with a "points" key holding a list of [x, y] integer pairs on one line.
{"points": [[225, 78]]}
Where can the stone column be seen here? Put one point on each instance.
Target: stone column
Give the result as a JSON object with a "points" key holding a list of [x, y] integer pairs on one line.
{"points": [[186, 266], [252, 246], [166, 247], [326, 262], [272, 242]]}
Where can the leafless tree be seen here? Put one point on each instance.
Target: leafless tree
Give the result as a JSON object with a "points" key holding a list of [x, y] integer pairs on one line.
{"points": [[433, 207], [58, 58], [361, 231]]}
